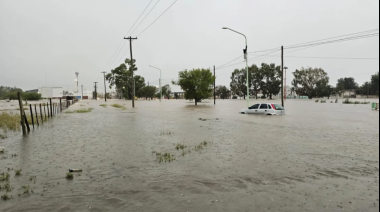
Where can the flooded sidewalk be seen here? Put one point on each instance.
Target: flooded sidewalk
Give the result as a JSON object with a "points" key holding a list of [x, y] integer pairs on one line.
{"points": [[174, 156]]}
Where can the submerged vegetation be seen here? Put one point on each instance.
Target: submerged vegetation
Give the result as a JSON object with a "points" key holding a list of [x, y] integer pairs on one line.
{"points": [[347, 101], [118, 106], [86, 110], [103, 105], [69, 176]]}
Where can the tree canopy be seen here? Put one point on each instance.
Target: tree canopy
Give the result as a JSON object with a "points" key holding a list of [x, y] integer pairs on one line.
{"points": [[197, 83], [310, 82], [121, 78], [222, 92], [346, 84]]}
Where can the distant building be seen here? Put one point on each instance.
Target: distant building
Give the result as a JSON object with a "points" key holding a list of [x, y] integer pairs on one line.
{"points": [[51, 92], [349, 93]]}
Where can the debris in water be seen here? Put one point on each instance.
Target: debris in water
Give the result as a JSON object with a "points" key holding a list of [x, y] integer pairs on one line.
{"points": [[75, 170]]}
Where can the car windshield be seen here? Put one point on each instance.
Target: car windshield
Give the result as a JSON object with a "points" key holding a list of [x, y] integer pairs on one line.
{"points": [[278, 107]]}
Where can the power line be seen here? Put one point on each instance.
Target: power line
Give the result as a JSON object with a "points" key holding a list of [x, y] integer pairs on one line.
{"points": [[336, 58], [229, 62], [139, 18], [158, 17], [320, 40], [250, 59], [336, 41], [117, 50], [146, 16]]}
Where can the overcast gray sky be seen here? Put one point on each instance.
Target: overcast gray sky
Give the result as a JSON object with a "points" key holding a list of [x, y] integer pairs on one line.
{"points": [[52, 39]]}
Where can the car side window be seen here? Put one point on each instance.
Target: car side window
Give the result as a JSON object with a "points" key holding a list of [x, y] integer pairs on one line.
{"points": [[264, 106], [269, 107], [254, 107]]}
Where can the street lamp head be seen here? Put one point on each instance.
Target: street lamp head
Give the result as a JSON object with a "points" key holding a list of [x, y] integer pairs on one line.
{"points": [[224, 28]]}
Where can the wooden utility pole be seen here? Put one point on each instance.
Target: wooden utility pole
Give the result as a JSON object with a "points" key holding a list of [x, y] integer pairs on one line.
{"points": [[282, 76], [105, 87], [214, 88], [132, 80], [96, 93], [21, 113]]}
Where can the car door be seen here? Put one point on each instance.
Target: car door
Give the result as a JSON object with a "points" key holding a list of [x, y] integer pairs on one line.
{"points": [[263, 109], [254, 109]]}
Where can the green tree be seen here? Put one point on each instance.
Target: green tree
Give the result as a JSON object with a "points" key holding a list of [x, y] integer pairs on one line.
{"points": [[5, 92], [197, 84], [272, 81], [166, 91], [257, 79], [222, 92], [346, 84], [147, 92], [307, 82], [238, 83], [121, 78], [375, 84]]}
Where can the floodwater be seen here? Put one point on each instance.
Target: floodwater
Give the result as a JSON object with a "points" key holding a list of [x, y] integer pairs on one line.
{"points": [[318, 157]]}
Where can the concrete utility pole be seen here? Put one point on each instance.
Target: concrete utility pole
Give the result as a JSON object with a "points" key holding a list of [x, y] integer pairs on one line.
{"points": [[159, 82], [282, 76], [133, 84], [96, 93], [285, 91], [246, 60], [105, 87], [82, 93], [77, 74]]}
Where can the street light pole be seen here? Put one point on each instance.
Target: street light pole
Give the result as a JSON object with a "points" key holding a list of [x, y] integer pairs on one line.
{"points": [[246, 59], [160, 82]]}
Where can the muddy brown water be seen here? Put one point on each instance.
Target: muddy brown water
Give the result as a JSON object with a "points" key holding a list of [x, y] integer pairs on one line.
{"points": [[318, 157]]}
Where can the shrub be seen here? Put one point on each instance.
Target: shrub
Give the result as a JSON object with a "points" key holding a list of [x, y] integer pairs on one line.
{"points": [[32, 96]]}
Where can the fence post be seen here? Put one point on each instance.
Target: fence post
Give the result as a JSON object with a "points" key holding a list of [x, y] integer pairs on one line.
{"points": [[60, 105], [51, 108], [26, 122], [35, 110], [31, 114], [45, 111], [21, 113], [42, 120]]}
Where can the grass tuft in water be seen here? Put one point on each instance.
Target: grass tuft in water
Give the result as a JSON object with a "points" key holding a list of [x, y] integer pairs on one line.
{"points": [[164, 158], [69, 176], [180, 147], [87, 110], [6, 197], [347, 101], [7, 187], [26, 189], [4, 176], [18, 172], [103, 105], [316, 101], [118, 106]]}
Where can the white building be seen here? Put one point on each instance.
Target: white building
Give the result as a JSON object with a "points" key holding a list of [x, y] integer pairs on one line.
{"points": [[51, 92]]}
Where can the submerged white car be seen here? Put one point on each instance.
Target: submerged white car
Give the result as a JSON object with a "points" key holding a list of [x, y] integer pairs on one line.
{"points": [[264, 109]]}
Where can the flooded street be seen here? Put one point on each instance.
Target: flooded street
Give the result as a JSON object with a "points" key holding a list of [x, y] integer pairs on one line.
{"points": [[318, 157]]}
